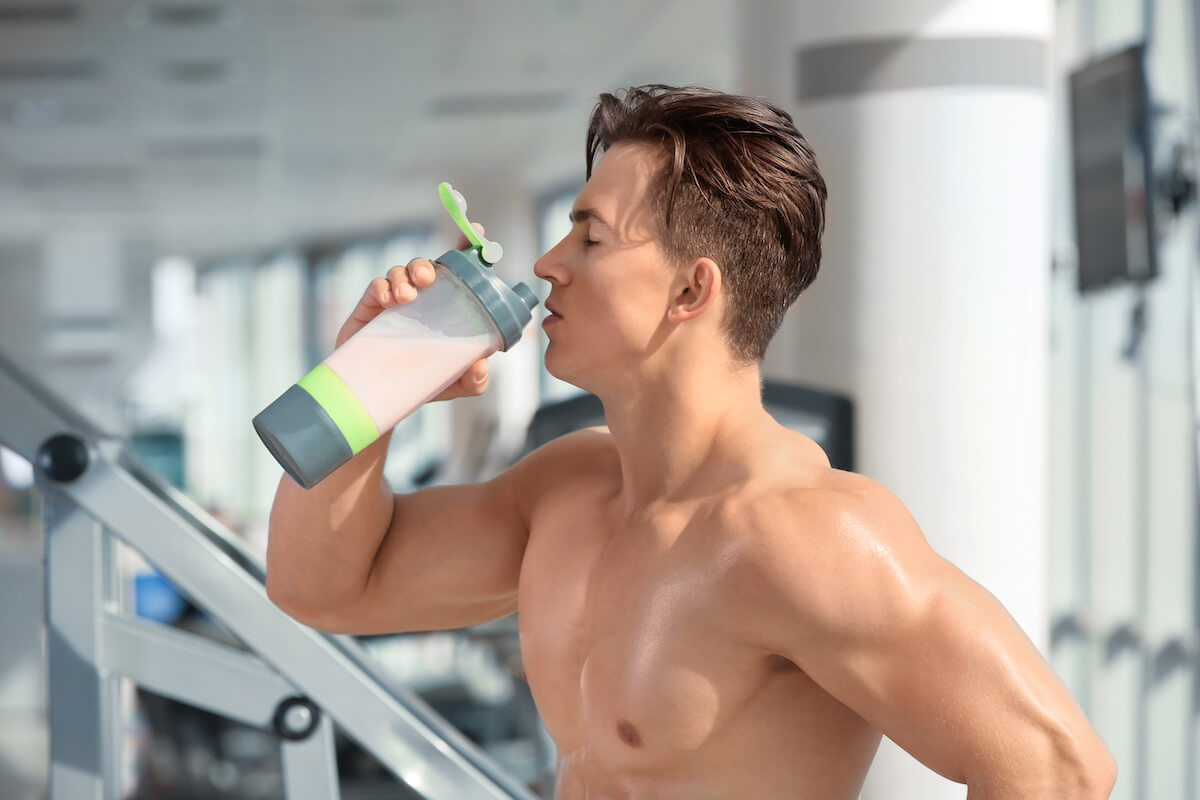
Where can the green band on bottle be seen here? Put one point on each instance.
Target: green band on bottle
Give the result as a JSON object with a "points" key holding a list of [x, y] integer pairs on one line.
{"points": [[346, 410]]}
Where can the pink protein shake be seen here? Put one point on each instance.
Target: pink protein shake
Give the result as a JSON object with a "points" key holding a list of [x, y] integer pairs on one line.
{"points": [[400, 365]]}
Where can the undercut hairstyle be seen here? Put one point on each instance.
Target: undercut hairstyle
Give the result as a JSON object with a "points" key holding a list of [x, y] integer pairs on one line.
{"points": [[738, 184]]}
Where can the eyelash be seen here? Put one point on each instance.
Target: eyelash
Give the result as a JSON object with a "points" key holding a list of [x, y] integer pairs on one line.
{"points": [[590, 242]]}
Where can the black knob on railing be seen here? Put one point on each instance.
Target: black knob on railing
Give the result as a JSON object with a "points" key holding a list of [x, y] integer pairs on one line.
{"points": [[296, 718], [63, 457]]}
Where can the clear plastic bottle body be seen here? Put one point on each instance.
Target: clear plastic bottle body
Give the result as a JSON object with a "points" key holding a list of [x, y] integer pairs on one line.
{"points": [[411, 353], [403, 358]]}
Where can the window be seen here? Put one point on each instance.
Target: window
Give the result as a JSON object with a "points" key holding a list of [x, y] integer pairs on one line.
{"points": [[219, 431]]}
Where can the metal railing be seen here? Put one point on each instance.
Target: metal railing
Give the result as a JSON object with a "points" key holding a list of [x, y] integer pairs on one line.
{"points": [[290, 679]]}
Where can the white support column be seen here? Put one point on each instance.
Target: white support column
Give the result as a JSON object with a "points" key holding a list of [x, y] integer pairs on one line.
{"points": [[930, 121], [310, 766], [84, 711]]}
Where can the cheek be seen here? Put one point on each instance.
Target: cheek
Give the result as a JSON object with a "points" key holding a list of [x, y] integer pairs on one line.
{"points": [[635, 318], [628, 305], [610, 324]]}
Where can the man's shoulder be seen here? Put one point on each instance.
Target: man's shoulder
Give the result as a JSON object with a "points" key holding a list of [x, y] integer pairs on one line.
{"points": [[586, 443], [837, 528], [569, 449], [811, 502], [832, 559], [585, 456], [595, 433]]}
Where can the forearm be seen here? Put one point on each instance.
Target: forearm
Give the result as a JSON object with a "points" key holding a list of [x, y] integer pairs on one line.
{"points": [[322, 541]]}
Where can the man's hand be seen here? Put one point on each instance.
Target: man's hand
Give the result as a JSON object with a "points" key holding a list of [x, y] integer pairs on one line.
{"points": [[852, 593], [400, 287]]}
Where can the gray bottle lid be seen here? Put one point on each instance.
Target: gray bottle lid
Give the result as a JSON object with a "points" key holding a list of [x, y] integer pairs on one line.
{"points": [[510, 307], [305, 441]]}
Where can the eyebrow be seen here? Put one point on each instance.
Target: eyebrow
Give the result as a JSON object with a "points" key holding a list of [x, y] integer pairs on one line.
{"points": [[584, 214]]}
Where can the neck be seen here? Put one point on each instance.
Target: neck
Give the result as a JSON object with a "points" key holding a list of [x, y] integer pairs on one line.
{"points": [[682, 436]]}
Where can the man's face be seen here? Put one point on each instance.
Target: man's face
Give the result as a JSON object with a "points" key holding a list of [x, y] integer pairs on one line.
{"points": [[609, 280]]}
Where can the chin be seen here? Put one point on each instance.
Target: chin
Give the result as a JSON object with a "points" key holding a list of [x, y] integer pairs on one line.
{"points": [[564, 377]]}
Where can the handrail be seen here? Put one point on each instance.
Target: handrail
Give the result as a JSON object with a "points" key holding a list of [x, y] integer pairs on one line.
{"points": [[215, 570]]}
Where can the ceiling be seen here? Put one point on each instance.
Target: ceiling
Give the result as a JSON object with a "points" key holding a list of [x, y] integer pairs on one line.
{"points": [[210, 126]]}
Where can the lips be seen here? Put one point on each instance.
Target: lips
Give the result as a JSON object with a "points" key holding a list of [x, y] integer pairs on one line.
{"points": [[552, 310]]}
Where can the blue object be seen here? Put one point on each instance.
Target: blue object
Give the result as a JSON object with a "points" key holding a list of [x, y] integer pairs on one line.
{"points": [[156, 599]]}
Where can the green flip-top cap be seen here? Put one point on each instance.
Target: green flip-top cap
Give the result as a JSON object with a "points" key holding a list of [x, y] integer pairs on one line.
{"points": [[510, 307]]}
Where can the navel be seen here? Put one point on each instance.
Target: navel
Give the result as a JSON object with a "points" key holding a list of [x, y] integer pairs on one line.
{"points": [[628, 734]]}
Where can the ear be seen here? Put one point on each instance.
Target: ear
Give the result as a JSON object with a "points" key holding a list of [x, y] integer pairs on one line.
{"points": [[696, 290]]}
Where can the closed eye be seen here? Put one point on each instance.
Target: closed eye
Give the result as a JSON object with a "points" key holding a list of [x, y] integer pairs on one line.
{"points": [[589, 242]]}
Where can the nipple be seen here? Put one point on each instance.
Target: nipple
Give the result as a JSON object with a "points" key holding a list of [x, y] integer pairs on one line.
{"points": [[628, 734]]}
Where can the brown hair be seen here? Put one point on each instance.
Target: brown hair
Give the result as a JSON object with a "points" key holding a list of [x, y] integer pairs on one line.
{"points": [[739, 184]]}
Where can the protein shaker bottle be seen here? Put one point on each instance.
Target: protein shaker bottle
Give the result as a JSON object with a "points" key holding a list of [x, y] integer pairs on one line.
{"points": [[398, 361]]}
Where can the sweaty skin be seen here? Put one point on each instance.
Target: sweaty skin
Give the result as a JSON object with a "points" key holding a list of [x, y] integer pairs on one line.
{"points": [[708, 610], [754, 641], [637, 653]]}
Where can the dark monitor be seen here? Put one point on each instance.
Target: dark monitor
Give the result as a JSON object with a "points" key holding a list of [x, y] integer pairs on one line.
{"points": [[1112, 168], [824, 417]]}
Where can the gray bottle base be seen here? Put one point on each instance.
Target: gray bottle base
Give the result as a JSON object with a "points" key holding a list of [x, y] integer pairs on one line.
{"points": [[302, 437]]}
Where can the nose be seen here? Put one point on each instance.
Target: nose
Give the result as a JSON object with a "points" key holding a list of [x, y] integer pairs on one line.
{"points": [[550, 266]]}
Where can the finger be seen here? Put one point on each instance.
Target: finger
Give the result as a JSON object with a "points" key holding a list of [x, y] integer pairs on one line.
{"points": [[400, 285], [379, 292], [421, 272]]}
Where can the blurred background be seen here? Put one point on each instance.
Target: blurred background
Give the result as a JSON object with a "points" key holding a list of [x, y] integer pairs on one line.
{"points": [[195, 193]]}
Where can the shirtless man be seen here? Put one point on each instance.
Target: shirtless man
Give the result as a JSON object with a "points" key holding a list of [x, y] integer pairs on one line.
{"points": [[707, 609]]}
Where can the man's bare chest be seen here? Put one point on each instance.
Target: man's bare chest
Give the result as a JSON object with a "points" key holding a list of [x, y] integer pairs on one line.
{"points": [[630, 637]]}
